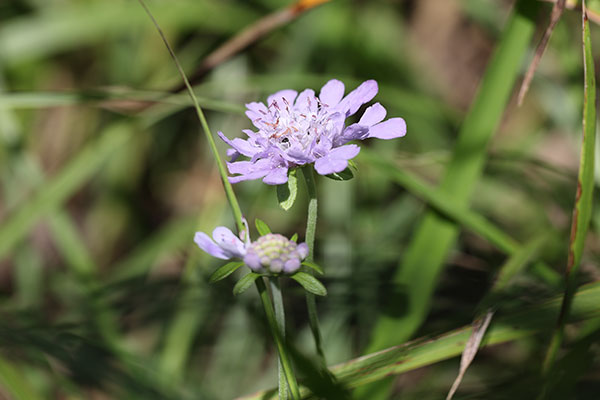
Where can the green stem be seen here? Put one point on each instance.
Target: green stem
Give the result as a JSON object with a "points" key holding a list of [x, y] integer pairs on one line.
{"points": [[280, 318], [311, 227], [233, 203], [237, 213], [284, 358]]}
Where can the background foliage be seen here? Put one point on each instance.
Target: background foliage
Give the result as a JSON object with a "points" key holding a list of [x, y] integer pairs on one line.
{"points": [[104, 295]]}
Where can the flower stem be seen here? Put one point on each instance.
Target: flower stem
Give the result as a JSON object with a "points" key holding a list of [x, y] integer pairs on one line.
{"points": [[237, 213], [284, 359], [280, 318], [311, 227]]}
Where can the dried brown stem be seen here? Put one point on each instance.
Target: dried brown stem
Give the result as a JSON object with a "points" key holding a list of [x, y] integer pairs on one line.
{"points": [[248, 36], [557, 11]]}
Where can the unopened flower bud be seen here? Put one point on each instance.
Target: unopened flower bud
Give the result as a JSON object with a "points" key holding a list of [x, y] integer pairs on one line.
{"points": [[276, 254]]}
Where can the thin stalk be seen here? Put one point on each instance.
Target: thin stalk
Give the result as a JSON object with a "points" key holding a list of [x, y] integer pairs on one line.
{"points": [[582, 210], [284, 359], [275, 285], [237, 213], [311, 227], [233, 203]]}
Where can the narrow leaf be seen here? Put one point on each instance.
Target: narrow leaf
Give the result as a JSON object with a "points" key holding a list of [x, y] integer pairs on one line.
{"points": [[224, 271], [424, 258], [244, 283], [286, 193], [310, 283], [314, 267], [583, 197], [294, 237], [479, 328], [262, 227]]}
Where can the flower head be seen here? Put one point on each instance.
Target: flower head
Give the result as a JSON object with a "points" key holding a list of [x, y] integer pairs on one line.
{"points": [[298, 129], [271, 253]]}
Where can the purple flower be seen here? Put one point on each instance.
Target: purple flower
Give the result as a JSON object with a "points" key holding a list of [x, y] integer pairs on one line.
{"points": [[298, 129], [271, 253]]}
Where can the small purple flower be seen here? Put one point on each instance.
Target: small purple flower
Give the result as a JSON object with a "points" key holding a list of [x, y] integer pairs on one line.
{"points": [[298, 129], [271, 253]]}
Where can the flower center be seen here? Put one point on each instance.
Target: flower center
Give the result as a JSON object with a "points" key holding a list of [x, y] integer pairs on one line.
{"points": [[288, 126], [273, 253]]}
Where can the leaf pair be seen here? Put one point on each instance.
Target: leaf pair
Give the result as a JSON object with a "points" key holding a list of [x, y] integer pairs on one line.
{"points": [[307, 281]]}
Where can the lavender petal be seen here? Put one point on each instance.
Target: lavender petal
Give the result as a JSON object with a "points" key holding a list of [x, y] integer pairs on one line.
{"points": [[373, 115], [353, 132], [306, 101], [336, 160], [277, 176], [390, 129], [232, 245], [206, 244], [287, 94], [302, 250], [359, 96], [332, 92]]}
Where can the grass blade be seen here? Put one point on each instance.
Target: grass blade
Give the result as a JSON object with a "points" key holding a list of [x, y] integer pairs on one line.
{"points": [[60, 187], [583, 198], [428, 351], [423, 262], [15, 383]]}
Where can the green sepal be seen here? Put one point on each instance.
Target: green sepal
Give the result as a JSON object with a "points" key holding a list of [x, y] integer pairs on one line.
{"points": [[243, 284], [262, 227], [310, 283], [294, 238], [314, 267], [224, 271], [286, 193]]}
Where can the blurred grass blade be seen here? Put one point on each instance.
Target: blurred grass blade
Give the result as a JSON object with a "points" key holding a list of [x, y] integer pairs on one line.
{"points": [[582, 210], [112, 99], [424, 258], [444, 204], [428, 351], [60, 187], [14, 383], [434, 238], [517, 262], [70, 25], [175, 234]]}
